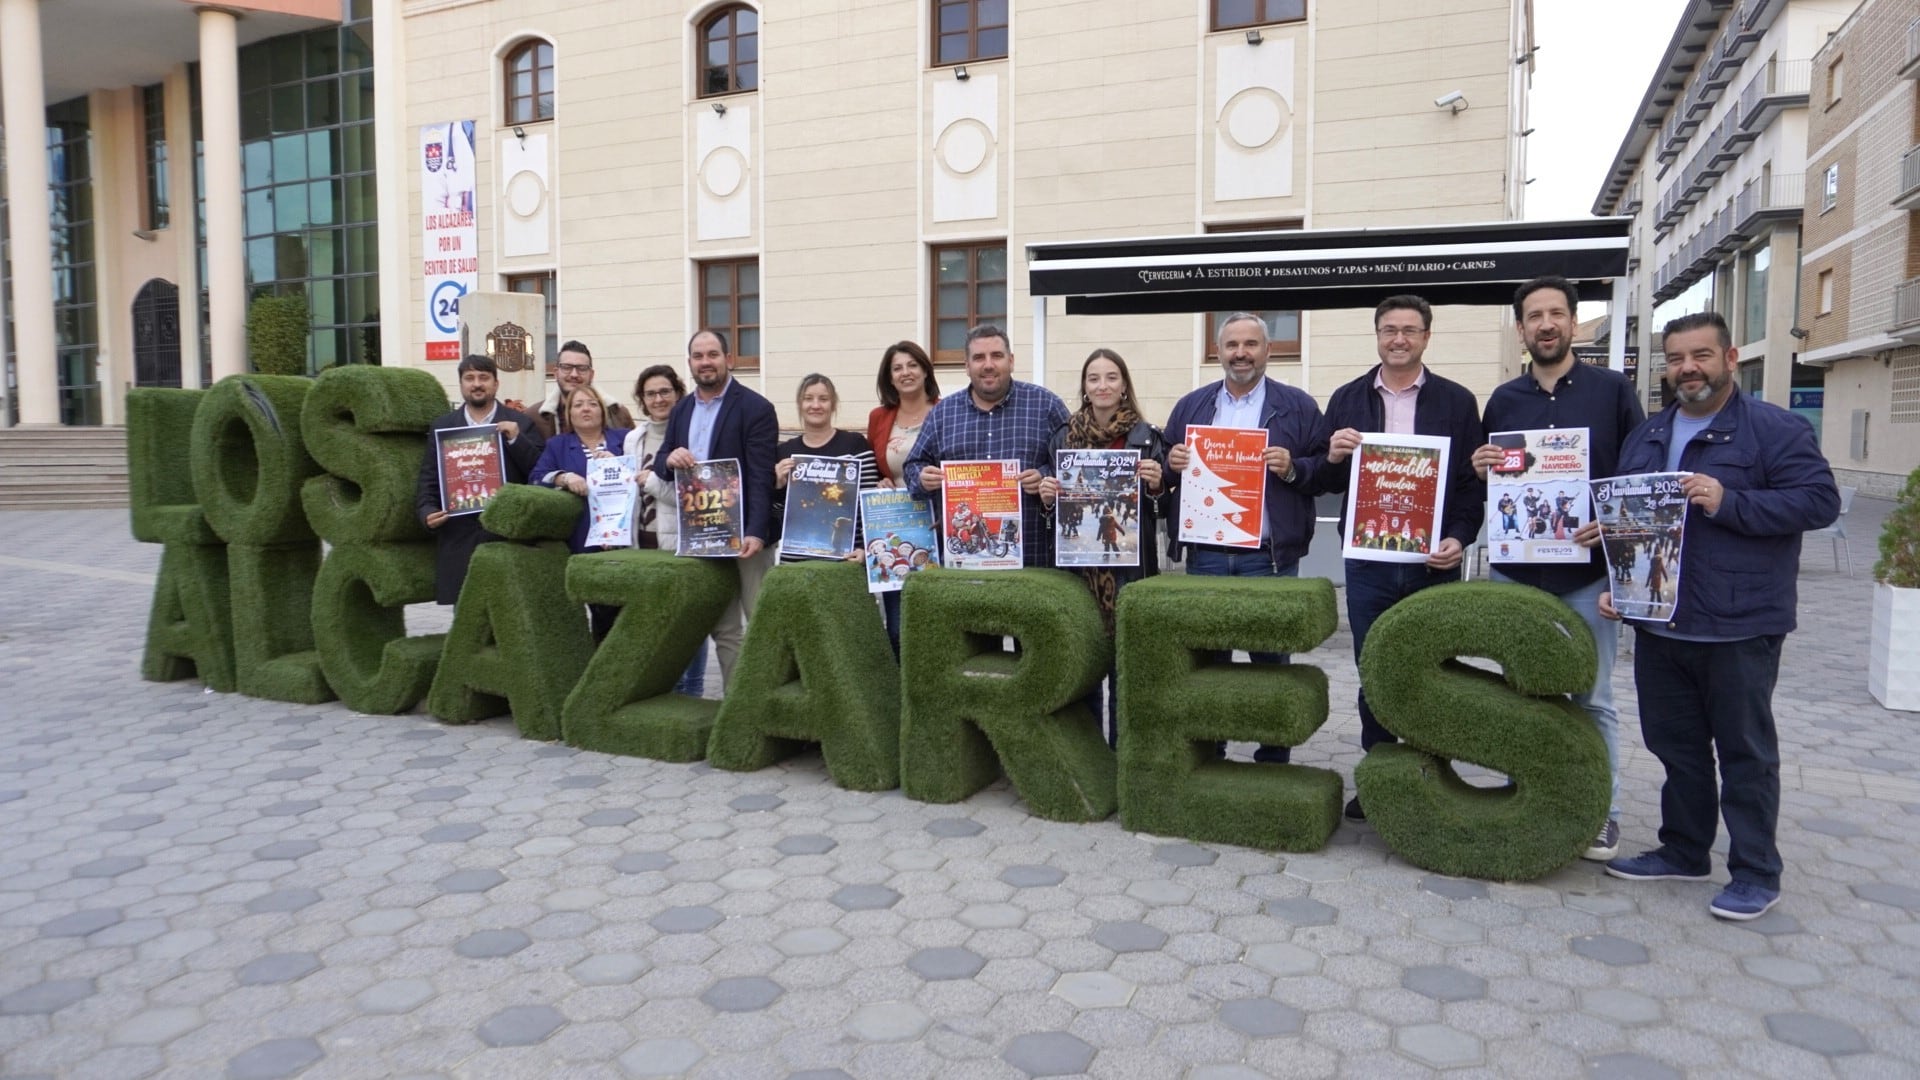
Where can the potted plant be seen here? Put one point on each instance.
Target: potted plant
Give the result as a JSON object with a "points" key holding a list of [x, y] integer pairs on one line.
{"points": [[1893, 663]]}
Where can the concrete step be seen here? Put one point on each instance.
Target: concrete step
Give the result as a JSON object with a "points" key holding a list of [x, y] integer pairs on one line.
{"points": [[77, 503], [61, 459]]}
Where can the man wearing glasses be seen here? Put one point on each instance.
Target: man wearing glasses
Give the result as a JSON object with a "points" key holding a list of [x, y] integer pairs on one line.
{"points": [[575, 371], [1401, 397]]}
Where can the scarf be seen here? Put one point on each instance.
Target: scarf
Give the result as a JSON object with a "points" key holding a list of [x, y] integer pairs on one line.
{"points": [[1083, 433]]}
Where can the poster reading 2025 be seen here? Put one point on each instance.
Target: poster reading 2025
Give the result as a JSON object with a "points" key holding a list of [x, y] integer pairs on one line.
{"points": [[449, 240]]}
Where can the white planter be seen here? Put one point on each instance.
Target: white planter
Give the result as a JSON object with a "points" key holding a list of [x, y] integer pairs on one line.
{"points": [[1893, 662]]}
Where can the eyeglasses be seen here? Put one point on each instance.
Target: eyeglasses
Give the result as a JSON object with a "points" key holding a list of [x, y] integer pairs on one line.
{"points": [[1388, 333], [575, 369], [667, 393]]}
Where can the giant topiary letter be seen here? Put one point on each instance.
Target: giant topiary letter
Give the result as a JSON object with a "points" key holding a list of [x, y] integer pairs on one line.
{"points": [[1177, 702], [517, 643], [249, 461], [1518, 724], [190, 625], [816, 668], [969, 709], [624, 702], [359, 625]]}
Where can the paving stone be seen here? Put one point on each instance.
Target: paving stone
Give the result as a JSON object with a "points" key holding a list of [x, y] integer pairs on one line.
{"points": [[641, 862], [111, 866], [453, 834], [382, 922], [580, 781], [1621, 1006], [278, 968], [286, 850], [749, 993], [1610, 949], [661, 1057], [1302, 911], [1438, 1045], [953, 828], [1032, 877], [1830, 827], [1829, 1038], [1788, 972], [865, 897], [395, 996], [81, 923], [291, 808], [807, 844], [45, 998], [471, 881], [1262, 1018], [172, 754], [686, 920], [1225, 1072], [132, 787], [1444, 982], [1049, 1053], [153, 1027], [283, 900], [949, 962], [1184, 854], [821, 1074], [610, 817], [1454, 888], [1094, 990], [748, 804], [448, 793], [610, 969], [1599, 903], [1880, 892], [429, 761], [130, 822], [1124, 937], [273, 1059], [1282, 959], [1630, 1067], [520, 1025], [491, 944], [1447, 930], [295, 744], [293, 772], [1774, 923], [810, 941], [888, 1021]]}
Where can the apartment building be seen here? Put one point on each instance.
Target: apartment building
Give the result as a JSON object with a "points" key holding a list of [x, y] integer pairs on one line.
{"points": [[1860, 271]]}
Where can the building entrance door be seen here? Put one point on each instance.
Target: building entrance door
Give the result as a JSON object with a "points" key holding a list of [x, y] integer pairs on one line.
{"points": [[156, 334]]}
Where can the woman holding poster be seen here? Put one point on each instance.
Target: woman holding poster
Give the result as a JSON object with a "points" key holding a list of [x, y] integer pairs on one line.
{"points": [[563, 465]]}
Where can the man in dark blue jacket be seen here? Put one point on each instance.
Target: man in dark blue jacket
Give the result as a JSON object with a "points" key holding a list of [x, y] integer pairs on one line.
{"points": [[723, 419], [1296, 444], [1402, 396], [1706, 675]]}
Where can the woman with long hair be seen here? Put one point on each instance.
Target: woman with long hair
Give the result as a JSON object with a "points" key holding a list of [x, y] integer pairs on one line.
{"points": [[908, 392], [818, 401]]}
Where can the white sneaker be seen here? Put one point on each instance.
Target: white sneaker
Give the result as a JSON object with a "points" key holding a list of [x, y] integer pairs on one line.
{"points": [[1607, 844]]}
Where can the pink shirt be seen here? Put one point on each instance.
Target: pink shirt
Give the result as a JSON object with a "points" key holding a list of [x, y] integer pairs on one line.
{"points": [[1397, 405]]}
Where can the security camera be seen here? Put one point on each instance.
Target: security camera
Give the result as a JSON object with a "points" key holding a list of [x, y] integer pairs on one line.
{"points": [[1453, 99]]}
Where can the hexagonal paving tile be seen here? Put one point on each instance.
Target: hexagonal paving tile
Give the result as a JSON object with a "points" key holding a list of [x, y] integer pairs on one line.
{"points": [[580, 781], [154, 1027], [686, 920], [1438, 1045], [1829, 1038], [1049, 1053], [492, 944], [471, 881], [1880, 892], [1775, 923], [295, 772], [133, 787], [291, 808], [992, 916], [395, 996], [1447, 930], [111, 866], [278, 968], [45, 998], [1599, 903], [1454, 888], [610, 969], [1032, 877], [641, 862], [286, 849], [1282, 959], [661, 1057], [1262, 1018], [1094, 990], [889, 1021], [130, 822], [610, 817], [1609, 949], [453, 834], [749, 993], [949, 962], [1302, 911], [1788, 972], [1630, 1067], [273, 1059], [1621, 1006], [1444, 982], [283, 900], [807, 844], [1129, 936], [81, 923], [951, 828], [748, 804], [864, 897], [520, 1025], [1184, 854], [382, 922], [810, 941]]}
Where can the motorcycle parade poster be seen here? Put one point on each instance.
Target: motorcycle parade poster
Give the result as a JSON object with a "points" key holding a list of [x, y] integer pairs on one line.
{"points": [[1396, 497], [711, 513], [902, 537], [1537, 496], [982, 502], [822, 510], [473, 467], [1224, 491], [1642, 523], [1096, 515]]}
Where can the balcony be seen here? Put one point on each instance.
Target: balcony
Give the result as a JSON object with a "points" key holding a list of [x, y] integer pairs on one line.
{"points": [[1911, 69], [1631, 203], [1781, 85], [1906, 310], [1770, 198], [1750, 22], [1908, 197]]}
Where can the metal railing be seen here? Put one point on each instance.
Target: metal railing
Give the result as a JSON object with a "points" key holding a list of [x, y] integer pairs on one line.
{"points": [[1906, 304], [1913, 43], [1778, 194], [1909, 174], [1772, 89]]}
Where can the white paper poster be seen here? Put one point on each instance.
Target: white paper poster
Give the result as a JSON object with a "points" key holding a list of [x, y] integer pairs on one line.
{"points": [[449, 240], [611, 497], [1537, 496]]}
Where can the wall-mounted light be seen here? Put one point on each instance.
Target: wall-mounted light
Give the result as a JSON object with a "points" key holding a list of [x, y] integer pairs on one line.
{"points": [[1452, 100], [1528, 132], [1525, 56], [960, 73], [1253, 36], [520, 133], [719, 108], [145, 234], [1798, 333]]}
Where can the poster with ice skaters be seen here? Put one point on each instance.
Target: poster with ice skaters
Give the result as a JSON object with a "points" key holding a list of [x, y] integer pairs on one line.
{"points": [[1396, 497], [982, 504], [1642, 520], [1096, 516], [611, 498], [1537, 497], [1224, 492]]}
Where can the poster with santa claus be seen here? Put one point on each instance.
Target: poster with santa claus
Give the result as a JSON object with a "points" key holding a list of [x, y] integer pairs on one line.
{"points": [[1394, 501], [1224, 489]]}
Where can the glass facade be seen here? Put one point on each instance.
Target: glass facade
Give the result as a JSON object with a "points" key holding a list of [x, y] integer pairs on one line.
{"points": [[76, 326]]}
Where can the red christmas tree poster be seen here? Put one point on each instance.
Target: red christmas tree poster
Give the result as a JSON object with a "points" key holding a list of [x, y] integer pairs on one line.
{"points": [[1394, 501], [1223, 492]]}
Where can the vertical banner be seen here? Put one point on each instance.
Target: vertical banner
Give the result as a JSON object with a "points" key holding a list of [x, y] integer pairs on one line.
{"points": [[449, 239], [1397, 497]]}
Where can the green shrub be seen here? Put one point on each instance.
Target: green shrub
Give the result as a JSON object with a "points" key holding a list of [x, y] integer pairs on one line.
{"points": [[159, 474], [1517, 723], [366, 426], [249, 459], [969, 709], [516, 644], [277, 329], [272, 592], [1177, 702], [529, 512], [359, 625], [1899, 562], [816, 668], [624, 702], [190, 625]]}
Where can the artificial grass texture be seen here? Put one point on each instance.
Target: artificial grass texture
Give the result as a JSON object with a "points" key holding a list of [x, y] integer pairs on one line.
{"points": [[190, 625], [272, 594], [1518, 724], [359, 625], [970, 710], [815, 668], [516, 645], [161, 499], [249, 459], [1177, 701], [366, 426], [624, 702], [530, 512]]}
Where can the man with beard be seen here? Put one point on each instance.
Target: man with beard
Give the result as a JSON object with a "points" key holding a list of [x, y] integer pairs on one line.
{"points": [[1558, 391], [457, 535], [723, 419], [1757, 481], [574, 370]]}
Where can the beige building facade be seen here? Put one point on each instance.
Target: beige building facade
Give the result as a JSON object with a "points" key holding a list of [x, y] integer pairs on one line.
{"points": [[828, 178]]}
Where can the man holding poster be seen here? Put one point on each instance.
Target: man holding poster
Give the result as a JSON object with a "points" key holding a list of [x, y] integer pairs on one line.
{"points": [[1401, 397], [1295, 442], [1559, 392], [458, 534]]}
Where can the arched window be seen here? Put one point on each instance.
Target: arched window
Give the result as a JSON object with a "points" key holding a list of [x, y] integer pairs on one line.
{"points": [[729, 56], [529, 73]]}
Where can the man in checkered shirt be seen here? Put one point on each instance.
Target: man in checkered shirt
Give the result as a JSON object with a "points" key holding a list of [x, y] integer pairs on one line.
{"points": [[997, 419]]}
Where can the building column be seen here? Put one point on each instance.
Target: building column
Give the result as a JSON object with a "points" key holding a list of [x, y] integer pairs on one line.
{"points": [[226, 237], [29, 212]]}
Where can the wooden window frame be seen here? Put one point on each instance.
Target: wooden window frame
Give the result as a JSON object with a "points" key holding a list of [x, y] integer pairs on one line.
{"points": [[1266, 13], [526, 110], [1284, 351], [975, 316], [741, 361], [547, 287], [156, 196], [972, 32], [705, 34]]}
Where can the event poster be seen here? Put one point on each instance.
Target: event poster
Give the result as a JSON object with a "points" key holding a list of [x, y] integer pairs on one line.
{"points": [[473, 467], [982, 500], [1224, 491], [1537, 496], [1395, 497], [822, 509], [611, 498], [902, 537], [1642, 522], [1096, 516], [449, 237], [711, 513]]}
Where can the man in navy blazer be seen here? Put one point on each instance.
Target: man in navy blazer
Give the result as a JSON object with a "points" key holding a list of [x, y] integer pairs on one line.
{"points": [[723, 419]]}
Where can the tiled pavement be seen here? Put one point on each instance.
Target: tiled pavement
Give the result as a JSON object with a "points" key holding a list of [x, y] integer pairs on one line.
{"points": [[201, 885]]}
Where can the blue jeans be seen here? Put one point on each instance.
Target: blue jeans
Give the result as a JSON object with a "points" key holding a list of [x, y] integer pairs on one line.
{"points": [[693, 682], [1598, 701], [1372, 588], [1221, 562], [1699, 699]]}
